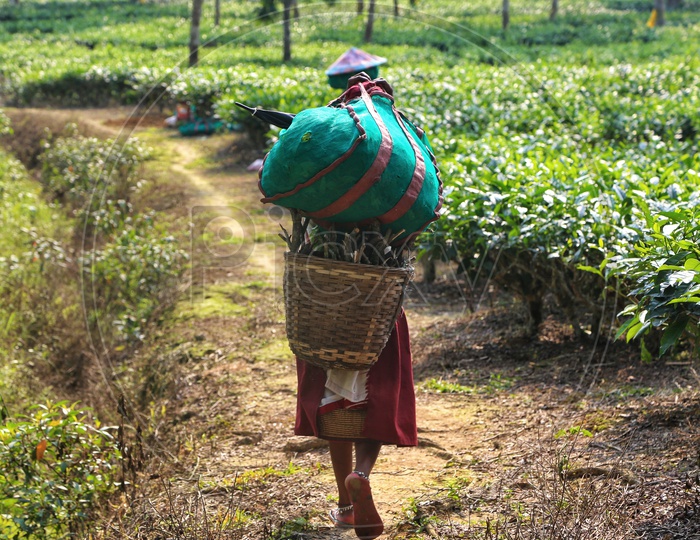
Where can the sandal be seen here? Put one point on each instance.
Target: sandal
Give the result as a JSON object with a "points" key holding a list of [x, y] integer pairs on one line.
{"points": [[342, 517], [368, 524]]}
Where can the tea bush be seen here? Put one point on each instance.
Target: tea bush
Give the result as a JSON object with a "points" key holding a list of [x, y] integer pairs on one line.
{"points": [[128, 274], [130, 260], [127, 261], [33, 250], [5, 127], [56, 462], [75, 168], [54, 465], [663, 270]]}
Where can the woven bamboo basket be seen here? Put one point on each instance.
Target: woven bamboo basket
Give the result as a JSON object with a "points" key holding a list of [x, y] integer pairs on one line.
{"points": [[340, 315], [342, 424]]}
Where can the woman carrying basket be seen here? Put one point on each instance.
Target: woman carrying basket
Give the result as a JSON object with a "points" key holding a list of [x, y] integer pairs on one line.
{"points": [[356, 165], [390, 406]]}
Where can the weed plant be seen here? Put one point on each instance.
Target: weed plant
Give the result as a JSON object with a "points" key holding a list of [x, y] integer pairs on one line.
{"points": [[567, 502]]}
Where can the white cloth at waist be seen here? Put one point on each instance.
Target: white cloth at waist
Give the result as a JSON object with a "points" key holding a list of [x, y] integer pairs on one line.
{"points": [[345, 384]]}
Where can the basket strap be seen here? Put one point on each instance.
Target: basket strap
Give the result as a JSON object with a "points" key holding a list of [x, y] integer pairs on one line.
{"points": [[372, 175], [362, 135]]}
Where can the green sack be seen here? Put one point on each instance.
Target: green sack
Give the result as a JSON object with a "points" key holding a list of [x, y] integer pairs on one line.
{"points": [[356, 161]]}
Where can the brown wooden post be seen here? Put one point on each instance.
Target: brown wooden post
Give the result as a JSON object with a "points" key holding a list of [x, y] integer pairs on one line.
{"points": [[555, 10], [287, 55], [194, 31], [660, 12], [369, 29]]}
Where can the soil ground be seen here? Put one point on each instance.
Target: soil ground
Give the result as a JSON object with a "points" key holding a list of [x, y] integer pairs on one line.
{"points": [[578, 436]]}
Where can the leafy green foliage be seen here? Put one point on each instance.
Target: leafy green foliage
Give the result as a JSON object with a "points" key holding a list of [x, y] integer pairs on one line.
{"points": [[416, 519], [292, 528], [131, 259], [664, 271], [549, 136], [5, 127], [30, 306], [541, 202], [54, 465], [128, 273], [75, 168], [574, 431], [496, 383]]}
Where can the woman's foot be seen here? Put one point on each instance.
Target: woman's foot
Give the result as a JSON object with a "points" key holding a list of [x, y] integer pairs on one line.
{"points": [[368, 525], [343, 517]]}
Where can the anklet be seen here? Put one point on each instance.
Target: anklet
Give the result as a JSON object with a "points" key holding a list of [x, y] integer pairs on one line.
{"points": [[361, 475], [344, 509]]}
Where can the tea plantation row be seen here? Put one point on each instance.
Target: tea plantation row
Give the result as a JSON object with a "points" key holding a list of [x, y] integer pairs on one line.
{"points": [[570, 171]]}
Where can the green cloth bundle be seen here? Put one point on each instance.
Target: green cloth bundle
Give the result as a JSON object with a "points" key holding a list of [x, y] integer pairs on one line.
{"points": [[355, 161]]}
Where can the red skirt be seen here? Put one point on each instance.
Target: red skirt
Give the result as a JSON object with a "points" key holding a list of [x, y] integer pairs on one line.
{"points": [[391, 401]]}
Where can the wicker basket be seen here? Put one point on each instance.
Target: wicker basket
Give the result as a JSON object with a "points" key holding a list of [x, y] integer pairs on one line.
{"points": [[340, 315], [342, 424]]}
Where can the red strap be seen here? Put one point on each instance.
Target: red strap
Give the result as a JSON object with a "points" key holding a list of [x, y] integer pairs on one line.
{"points": [[436, 214], [414, 188], [342, 404], [373, 174], [362, 80]]}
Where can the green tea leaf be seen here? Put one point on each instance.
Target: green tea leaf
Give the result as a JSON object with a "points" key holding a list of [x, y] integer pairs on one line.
{"points": [[637, 329], [591, 269], [672, 334], [687, 299], [646, 354], [625, 326], [692, 264]]}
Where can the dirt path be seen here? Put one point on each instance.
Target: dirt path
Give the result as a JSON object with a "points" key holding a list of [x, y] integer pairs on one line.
{"points": [[509, 426], [448, 427], [491, 406], [244, 398]]}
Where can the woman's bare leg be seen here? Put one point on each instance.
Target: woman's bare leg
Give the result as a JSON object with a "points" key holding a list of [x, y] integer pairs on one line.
{"points": [[367, 522], [341, 458], [366, 454]]}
